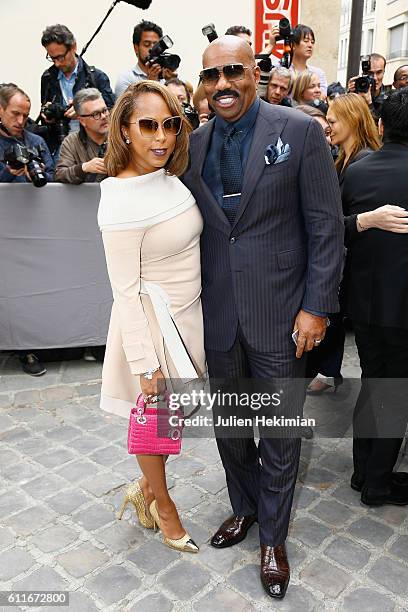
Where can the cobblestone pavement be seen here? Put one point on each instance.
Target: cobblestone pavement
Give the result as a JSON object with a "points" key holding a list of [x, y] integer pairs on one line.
{"points": [[63, 468]]}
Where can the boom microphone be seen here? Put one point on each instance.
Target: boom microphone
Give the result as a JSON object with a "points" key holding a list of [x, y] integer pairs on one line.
{"points": [[142, 4]]}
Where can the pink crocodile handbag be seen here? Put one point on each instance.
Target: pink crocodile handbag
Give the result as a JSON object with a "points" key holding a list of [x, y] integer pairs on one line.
{"points": [[150, 432]]}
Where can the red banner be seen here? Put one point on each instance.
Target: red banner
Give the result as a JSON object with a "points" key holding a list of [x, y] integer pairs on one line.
{"points": [[270, 12]]}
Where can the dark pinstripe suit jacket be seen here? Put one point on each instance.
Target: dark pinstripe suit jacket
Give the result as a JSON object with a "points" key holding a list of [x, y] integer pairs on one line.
{"points": [[285, 249]]}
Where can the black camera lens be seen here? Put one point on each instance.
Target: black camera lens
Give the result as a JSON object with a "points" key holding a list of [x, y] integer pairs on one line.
{"points": [[284, 28], [170, 61], [265, 64], [362, 84], [36, 173]]}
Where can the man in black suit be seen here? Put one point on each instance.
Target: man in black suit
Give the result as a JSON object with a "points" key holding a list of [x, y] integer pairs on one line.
{"points": [[378, 306], [272, 250]]}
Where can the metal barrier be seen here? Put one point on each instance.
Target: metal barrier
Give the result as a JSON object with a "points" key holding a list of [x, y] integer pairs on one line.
{"points": [[54, 287]]}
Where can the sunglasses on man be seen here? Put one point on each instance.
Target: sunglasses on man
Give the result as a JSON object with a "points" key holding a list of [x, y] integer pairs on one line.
{"points": [[231, 72]]}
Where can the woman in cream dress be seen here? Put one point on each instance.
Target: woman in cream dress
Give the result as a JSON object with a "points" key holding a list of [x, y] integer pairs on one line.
{"points": [[151, 229]]}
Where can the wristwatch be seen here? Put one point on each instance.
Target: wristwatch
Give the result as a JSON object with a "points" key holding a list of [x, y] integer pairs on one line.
{"points": [[149, 374]]}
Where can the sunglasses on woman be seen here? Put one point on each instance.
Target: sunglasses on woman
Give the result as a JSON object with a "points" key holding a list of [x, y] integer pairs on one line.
{"points": [[231, 72], [148, 127]]}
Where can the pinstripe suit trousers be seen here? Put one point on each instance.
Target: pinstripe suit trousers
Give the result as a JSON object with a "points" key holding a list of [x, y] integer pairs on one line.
{"points": [[261, 478]]}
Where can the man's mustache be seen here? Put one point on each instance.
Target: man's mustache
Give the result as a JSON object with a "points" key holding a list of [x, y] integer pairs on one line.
{"points": [[226, 92]]}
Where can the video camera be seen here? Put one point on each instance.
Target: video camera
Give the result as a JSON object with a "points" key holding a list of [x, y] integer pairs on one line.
{"points": [[158, 55], [365, 82], [18, 156]]}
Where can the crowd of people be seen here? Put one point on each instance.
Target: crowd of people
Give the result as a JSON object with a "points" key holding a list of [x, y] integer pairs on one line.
{"points": [[330, 164], [70, 136]]}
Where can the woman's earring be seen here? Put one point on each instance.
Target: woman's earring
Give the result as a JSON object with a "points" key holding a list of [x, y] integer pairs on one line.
{"points": [[127, 139]]}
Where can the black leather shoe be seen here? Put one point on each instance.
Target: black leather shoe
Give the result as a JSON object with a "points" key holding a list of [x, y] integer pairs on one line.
{"points": [[232, 531], [400, 478], [397, 478], [32, 365], [397, 496], [275, 572]]}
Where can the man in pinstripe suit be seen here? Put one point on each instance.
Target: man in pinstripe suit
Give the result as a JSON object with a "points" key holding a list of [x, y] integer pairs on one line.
{"points": [[272, 249]]}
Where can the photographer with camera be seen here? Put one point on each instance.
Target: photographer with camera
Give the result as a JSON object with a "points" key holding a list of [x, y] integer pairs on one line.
{"points": [[24, 156], [69, 74], [303, 41], [146, 35], [370, 84], [82, 152]]}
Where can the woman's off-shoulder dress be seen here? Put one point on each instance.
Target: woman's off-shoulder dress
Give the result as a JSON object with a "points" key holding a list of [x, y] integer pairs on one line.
{"points": [[151, 230]]}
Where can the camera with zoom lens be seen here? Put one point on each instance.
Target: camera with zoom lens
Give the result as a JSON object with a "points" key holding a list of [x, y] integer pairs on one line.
{"points": [[158, 55], [17, 156], [191, 115], [365, 82], [285, 30], [53, 111], [265, 62], [285, 34]]}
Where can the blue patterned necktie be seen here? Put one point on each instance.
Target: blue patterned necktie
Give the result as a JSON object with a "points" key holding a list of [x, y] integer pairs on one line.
{"points": [[231, 172]]}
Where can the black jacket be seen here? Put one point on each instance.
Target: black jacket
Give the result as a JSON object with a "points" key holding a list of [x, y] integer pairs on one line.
{"points": [[378, 260], [88, 76]]}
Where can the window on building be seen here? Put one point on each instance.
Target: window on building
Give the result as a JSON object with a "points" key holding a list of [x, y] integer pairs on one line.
{"points": [[343, 53], [345, 12], [395, 42], [370, 38]]}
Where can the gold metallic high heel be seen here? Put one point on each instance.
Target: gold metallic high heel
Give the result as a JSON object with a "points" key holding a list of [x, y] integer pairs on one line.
{"points": [[184, 544], [134, 494]]}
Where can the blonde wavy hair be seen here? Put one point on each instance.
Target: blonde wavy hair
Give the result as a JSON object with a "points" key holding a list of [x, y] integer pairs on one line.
{"points": [[118, 154], [353, 110]]}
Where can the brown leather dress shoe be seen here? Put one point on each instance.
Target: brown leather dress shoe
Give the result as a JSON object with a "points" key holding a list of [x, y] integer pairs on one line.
{"points": [[232, 531], [275, 571]]}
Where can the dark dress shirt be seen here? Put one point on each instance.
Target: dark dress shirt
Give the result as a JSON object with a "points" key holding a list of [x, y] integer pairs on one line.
{"points": [[212, 171]]}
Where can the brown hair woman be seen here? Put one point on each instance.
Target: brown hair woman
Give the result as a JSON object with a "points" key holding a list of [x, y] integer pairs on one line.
{"points": [[352, 129], [151, 229]]}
